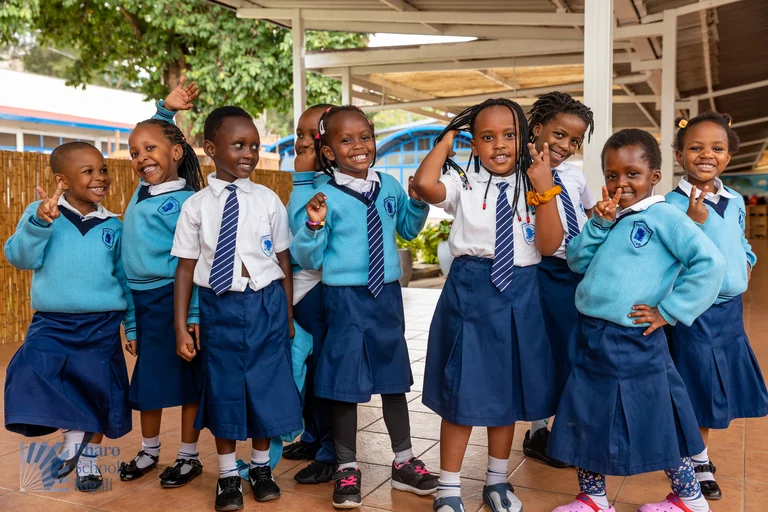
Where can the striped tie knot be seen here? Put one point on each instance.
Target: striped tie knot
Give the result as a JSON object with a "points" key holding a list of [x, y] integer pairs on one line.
{"points": [[222, 270]]}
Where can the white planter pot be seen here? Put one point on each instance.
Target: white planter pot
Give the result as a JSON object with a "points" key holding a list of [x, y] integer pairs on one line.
{"points": [[445, 257]]}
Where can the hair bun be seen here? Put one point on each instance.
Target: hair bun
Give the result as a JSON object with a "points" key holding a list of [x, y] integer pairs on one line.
{"points": [[728, 118], [681, 122]]}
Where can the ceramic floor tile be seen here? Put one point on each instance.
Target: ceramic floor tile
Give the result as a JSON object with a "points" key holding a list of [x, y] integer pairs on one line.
{"points": [[726, 451], [24, 502], [533, 474], [389, 499], [376, 448], [756, 466], [475, 461], [757, 497]]}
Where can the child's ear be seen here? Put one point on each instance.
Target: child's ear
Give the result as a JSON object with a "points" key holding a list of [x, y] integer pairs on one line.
{"points": [[679, 158], [210, 149], [328, 153], [536, 129], [473, 147], [61, 180], [656, 176], [730, 155], [178, 152]]}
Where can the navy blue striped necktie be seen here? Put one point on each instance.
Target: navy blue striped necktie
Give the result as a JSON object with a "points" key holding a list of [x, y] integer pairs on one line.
{"points": [[222, 271], [375, 247], [570, 212], [504, 252]]}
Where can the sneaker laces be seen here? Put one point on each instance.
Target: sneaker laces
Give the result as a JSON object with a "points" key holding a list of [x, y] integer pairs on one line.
{"points": [[348, 481], [261, 474], [231, 483]]}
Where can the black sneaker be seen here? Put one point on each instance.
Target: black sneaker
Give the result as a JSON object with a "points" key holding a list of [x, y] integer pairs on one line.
{"points": [[346, 488], [317, 472], [536, 447], [229, 493], [263, 483], [413, 476], [131, 471], [300, 451], [181, 473], [709, 488]]}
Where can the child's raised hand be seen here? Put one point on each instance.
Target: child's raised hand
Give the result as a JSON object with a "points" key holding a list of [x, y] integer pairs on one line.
{"points": [[49, 208], [647, 315], [412, 192], [130, 347], [306, 161], [185, 345], [606, 209], [697, 210], [182, 96], [540, 171], [317, 209]]}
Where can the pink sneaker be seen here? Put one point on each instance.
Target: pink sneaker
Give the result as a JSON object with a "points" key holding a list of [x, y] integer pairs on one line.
{"points": [[672, 504], [583, 504]]}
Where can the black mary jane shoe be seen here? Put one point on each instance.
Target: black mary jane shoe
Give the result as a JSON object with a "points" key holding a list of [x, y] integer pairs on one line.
{"points": [[300, 451], [172, 476], [709, 488], [535, 446], [62, 467], [131, 471], [88, 483]]}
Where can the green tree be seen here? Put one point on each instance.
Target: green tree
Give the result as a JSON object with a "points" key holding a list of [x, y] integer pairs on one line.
{"points": [[151, 45]]}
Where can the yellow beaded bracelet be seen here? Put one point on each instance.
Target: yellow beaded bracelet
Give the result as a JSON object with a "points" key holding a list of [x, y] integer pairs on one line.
{"points": [[535, 199]]}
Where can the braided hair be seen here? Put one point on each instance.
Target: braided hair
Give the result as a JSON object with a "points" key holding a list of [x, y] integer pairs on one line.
{"points": [[321, 139], [722, 120], [189, 165], [551, 104], [465, 121]]}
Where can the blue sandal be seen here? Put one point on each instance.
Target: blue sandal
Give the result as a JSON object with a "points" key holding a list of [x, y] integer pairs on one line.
{"points": [[449, 504], [497, 498]]}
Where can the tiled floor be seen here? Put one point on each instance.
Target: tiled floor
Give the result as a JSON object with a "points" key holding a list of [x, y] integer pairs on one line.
{"points": [[741, 452]]}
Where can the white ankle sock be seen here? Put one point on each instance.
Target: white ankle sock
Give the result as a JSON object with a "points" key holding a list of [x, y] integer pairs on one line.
{"points": [[403, 456], [348, 465], [537, 425], [88, 463], [698, 460], [698, 504], [600, 500], [72, 441], [150, 446], [449, 484], [188, 451], [228, 465], [497, 471], [259, 457]]}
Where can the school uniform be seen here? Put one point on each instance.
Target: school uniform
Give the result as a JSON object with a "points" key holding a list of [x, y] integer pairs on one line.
{"points": [[364, 352], [70, 372], [248, 389], [488, 358], [713, 355], [556, 281], [160, 377], [624, 409]]}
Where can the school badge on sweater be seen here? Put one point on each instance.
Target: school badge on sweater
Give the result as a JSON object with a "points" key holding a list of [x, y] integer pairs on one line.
{"points": [[641, 234]]}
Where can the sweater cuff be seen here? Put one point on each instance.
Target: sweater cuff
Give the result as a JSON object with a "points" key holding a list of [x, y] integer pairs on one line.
{"points": [[37, 221], [602, 223], [313, 233], [669, 318], [163, 113], [418, 204], [303, 178]]}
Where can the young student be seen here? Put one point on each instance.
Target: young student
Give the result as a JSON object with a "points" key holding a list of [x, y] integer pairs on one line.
{"points": [[232, 241], [561, 122], [70, 373], [350, 233], [169, 173], [625, 410], [488, 360], [713, 354], [316, 442]]}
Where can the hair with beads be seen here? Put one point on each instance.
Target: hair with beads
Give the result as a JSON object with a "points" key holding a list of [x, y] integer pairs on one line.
{"points": [[720, 119], [638, 138], [189, 165], [549, 105], [322, 138]]}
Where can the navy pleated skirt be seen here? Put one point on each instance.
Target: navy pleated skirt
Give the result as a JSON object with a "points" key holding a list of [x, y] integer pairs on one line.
{"points": [[488, 359], [364, 352], [717, 364], [70, 373], [557, 285], [624, 409], [248, 388], [160, 378]]}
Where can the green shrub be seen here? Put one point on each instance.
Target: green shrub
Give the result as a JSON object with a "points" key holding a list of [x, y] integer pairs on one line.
{"points": [[424, 247]]}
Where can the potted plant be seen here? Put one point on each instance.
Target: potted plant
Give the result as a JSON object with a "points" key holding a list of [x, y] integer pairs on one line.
{"points": [[444, 255]]}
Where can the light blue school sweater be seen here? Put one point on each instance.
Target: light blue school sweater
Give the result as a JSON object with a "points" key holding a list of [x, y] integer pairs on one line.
{"points": [[341, 247], [77, 268], [637, 259], [305, 185], [727, 233]]}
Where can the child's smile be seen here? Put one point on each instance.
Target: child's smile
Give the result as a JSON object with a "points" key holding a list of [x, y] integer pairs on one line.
{"points": [[152, 156], [235, 149], [563, 134], [494, 140], [627, 168], [705, 153], [351, 146]]}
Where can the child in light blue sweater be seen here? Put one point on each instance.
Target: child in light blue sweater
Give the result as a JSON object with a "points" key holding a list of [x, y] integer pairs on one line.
{"points": [[625, 409], [350, 234], [713, 355], [70, 372]]}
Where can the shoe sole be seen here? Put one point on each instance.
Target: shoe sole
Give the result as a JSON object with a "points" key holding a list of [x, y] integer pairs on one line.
{"points": [[348, 504], [268, 497], [400, 486], [229, 508], [546, 460]]}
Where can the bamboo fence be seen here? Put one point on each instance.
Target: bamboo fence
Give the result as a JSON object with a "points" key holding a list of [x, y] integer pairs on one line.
{"points": [[22, 172]]}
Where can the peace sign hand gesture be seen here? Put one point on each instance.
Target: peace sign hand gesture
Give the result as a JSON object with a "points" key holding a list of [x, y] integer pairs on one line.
{"points": [[49, 208], [697, 210], [606, 209], [182, 96], [540, 171]]}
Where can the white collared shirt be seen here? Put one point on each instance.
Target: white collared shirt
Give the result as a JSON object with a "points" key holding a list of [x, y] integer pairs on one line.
{"points": [[100, 213], [686, 187], [473, 232], [358, 185], [262, 232], [164, 188], [640, 205], [582, 199]]}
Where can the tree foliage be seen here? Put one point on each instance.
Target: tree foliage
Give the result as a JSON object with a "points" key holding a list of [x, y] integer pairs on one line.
{"points": [[151, 44]]}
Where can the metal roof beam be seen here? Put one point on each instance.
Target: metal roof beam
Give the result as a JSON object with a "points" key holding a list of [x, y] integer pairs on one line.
{"points": [[402, 5], [749, 122], [733, 90]]}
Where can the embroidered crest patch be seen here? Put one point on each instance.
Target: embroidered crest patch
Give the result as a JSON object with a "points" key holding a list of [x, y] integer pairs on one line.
{"points": [[108, 237], [266, 245], [641, 234], [742, 216], [170, 206], [529, 230], [390, 206]]}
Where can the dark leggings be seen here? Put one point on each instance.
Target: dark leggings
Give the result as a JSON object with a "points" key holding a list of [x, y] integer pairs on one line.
{"points": [[345, 426]]}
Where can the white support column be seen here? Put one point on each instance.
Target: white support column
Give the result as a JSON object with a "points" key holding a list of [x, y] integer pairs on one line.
{"points": [[20, 141], [598, 82], [346, 87], [668, 81], [299, 74]]}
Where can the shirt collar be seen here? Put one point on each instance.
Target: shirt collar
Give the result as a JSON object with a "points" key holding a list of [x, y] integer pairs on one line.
{"points": [[483, 176], [685, 186], [163, 188], [218, 186], [100, 213], [641, 205], [346, 179]]}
